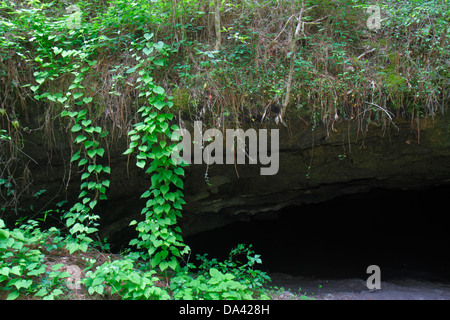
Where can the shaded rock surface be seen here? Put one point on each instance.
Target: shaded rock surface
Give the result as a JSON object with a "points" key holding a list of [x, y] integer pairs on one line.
{"points": [[314, 166]]}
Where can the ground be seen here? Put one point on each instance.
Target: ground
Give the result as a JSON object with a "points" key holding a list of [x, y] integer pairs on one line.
{"points": [[356, 289]]}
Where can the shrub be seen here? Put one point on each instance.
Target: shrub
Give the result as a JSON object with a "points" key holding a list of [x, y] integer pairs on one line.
{"points": [[229, 279]]}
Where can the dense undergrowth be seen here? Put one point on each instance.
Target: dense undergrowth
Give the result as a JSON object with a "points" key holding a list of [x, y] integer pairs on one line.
{"points": [[36, 264], [98, 70]]}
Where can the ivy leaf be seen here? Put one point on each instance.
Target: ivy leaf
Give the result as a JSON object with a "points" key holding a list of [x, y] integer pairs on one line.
{"points": [[164, 189], [159, 104], [159, 62], [75, 157], [92, 204], [77, 95], [178, 182], [128, 151], [4, 234], [13, 295], [148, 51], [57, 50], [42, 292], [146, 194], [62, 99], [88, 144], [173, 263], [100, 152], [76, 128], [80, 139], [131, 70], [179, 171], [57, 266], [81, 195], [91, 153], [158, 210], [141, 164], [158, 90], [170, 196], [86, 122]]}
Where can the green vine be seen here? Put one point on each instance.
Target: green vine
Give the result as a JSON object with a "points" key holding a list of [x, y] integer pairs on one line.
{"points": [[158, 233], [81, 221]]}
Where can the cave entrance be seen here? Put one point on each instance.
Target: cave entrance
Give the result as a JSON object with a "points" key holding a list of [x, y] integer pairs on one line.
{"points": [[403, 232]]}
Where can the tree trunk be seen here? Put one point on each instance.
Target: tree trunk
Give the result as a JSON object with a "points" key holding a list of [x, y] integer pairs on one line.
{"points": [[292, 51], [217, 24]]}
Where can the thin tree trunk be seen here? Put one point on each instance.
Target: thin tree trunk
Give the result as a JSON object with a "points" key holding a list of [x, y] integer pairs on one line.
{"points": [[293, 49], [217, 24], [174, 18]]}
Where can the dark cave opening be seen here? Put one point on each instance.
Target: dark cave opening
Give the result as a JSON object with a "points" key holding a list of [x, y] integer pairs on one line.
{"points": [[403, 232]]}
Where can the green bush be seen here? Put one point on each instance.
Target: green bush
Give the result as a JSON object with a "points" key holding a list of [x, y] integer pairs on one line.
{"points": [[229, 279], [22, 267], [121, 277]]}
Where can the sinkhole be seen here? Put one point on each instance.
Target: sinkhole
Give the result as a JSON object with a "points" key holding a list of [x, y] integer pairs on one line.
{"points": [[403, 232]]}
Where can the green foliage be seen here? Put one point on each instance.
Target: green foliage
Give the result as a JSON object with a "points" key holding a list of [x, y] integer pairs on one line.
{"points": [[229, 279], [22, 267], [158, 233], [4, 135], [215, 286], [130, 278], [93, 187], [109, 68], [121, 277], [80, 219]]}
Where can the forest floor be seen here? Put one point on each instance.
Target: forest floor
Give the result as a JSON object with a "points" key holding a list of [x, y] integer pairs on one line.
{"points": [[415, 285], [406, 288]]}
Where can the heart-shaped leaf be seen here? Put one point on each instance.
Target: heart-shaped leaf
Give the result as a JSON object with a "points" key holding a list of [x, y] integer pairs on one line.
{"points": [[141, 164], [76, 128], [86, 122], [148, 51], [57, 50], [87, 100], [62, 99], [158, 90]]}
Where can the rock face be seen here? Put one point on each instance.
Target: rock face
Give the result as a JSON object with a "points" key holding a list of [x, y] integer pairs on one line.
{"points": [[314, 166]]}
